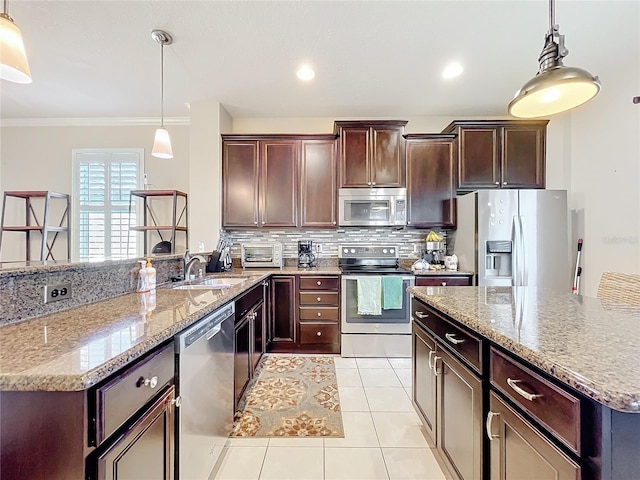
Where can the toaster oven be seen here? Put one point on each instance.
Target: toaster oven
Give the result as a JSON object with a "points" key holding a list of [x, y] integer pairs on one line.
{"points": [[261, 255]]}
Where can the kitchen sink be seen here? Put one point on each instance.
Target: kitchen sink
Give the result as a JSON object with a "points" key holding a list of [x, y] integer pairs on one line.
{"points": [[211, 283]]}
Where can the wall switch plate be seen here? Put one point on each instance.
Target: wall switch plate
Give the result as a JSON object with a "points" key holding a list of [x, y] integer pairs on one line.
{"points": [[57, 292]]}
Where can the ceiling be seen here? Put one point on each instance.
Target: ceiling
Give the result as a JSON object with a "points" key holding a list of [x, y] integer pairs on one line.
{"points": [[372, 58]]}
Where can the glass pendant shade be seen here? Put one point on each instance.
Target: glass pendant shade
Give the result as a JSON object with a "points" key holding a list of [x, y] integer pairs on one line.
{"points": [[13, 58], [553, 91], [162, 144]]}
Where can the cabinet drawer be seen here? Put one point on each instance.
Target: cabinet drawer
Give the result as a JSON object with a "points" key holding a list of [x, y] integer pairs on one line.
{"points": [[119, 399], [319, 313], [318, 298], [555, 408], [442, 281], [319, 283], [248, 300], [319, 333], [468, 346]]}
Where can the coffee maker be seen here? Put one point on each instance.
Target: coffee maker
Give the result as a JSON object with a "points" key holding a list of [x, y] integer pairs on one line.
{"points": [[435, 252], [306, 258]]}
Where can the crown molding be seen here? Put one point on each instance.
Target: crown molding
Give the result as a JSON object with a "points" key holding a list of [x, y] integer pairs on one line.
{"points": [[91, 121]]}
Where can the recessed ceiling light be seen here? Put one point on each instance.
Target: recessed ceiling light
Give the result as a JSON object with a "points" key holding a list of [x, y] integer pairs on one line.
{"points": [[305, 72], [452, 70]]}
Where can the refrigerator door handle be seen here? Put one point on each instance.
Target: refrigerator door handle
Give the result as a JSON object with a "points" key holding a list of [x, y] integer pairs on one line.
{"points": [[515, 265], [523, 251]]}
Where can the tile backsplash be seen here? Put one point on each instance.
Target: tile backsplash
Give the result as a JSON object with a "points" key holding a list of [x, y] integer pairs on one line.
{"points": [[409, 241]]}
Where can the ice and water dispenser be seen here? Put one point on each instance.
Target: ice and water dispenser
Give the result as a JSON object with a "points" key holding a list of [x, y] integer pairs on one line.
{"points": [[498, 258]]}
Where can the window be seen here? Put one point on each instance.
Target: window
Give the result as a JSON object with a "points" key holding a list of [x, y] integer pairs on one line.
{"points": [[102, 180]]}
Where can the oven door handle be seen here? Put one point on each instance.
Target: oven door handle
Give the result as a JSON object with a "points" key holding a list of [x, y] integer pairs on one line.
{"points": [[411, 278]]}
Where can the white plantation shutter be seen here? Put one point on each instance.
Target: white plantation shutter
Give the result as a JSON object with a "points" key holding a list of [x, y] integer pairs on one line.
{"points": [[102, 182]]}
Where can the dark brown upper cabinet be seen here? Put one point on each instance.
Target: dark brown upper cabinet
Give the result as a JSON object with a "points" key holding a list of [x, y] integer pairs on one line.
{"points": [[259, 182], [500, 154], [279, 181], [431, 191], [371, 153], [318, 178]]}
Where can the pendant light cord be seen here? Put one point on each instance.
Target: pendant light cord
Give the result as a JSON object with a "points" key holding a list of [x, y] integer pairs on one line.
{"points": [[161, 84], [552, 15]]}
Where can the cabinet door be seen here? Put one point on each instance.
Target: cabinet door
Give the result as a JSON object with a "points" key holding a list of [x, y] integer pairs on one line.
{"points": [[523, 156], [460, 416], [279, 183], [147, 449], [318, 184], [424, 379], [518, 450], [387, 158], [283, 308], [258, 335], [355, 157], [431, 182], [240, 184], [242, 359], [479, 164]]}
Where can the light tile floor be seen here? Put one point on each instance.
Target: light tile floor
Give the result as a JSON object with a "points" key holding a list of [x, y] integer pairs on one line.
{"points": [[384, 438]]}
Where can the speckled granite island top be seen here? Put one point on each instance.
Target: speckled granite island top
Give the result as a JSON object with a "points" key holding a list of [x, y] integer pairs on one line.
{"points": [[588, 344], [75, 349]]}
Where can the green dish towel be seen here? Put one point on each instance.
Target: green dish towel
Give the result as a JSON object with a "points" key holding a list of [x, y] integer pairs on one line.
{"points": [[369, 295], [392, 293]]}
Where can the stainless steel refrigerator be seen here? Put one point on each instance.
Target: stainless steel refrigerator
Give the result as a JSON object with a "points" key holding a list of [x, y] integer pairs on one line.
{"points": [[514, 237]]}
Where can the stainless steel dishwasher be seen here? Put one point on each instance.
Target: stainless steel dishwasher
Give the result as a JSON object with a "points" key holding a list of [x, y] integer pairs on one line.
{"points": [[205, 387]]}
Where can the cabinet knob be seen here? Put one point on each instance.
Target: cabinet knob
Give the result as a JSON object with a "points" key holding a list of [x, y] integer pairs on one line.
{"points": [[319, 299], [255, 223], [334, 222], [409, 222], [319, 314], [319, 334], [444, 284], [368, 183], [373, 183], [150, 382], [177, 401], [497, 183], [318, 282], [504, 183]]}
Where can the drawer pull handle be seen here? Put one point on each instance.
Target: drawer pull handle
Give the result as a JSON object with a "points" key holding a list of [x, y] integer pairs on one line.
{"points": [[435, 365], [319, 314], [490, 416], [451, 337], [177, 401], [523, 393], [319, 299], [319, 334], [318, 283], [444, 284], [431, 353], [150, 382], [420, 314]]}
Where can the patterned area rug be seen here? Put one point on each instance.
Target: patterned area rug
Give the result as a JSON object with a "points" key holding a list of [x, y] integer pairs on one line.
{"points": [[290, 396]]}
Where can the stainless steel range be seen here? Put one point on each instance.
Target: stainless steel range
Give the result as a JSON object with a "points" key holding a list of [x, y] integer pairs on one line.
{"points": [[382, 327]]}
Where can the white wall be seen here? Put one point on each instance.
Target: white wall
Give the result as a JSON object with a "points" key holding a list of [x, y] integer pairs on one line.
{"points": [[605, 177], [39, 158]]}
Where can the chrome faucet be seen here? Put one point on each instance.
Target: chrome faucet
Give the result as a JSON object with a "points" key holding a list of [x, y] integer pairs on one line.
{"points": [[188, 261]]}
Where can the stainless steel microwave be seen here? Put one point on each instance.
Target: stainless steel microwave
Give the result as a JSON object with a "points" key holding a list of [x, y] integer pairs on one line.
{"points": [[362, 207], [261, 255]]}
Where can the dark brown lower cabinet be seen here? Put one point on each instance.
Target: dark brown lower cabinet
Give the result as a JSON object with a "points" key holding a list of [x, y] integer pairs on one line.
{"points": [[242, 357], [459, 419], [146, 449], [424, 379], [282, 321], [519, 451]]}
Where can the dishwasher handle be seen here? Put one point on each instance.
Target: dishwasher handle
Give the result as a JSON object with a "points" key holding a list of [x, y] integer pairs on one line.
{"points": [[214, 331]]}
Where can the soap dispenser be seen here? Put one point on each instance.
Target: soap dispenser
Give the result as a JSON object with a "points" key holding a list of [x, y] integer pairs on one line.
{"points": [[143, 278], [151, 275]]}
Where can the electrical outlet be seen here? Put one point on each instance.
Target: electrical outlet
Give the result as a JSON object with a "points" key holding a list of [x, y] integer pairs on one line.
{"points": [[318, 248], [57, 292]]}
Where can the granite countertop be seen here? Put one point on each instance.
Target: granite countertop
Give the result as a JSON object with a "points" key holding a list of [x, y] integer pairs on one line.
{"points": [[75, 349], [588, 344]]}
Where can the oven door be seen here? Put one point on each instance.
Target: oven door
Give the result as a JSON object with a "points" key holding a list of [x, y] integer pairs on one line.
{"points": [[391, 321]]}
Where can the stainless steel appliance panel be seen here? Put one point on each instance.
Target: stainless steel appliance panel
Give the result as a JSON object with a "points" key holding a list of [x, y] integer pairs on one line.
{"points": [[466, 234], [544, 231], [372, 207], [205, 383]]}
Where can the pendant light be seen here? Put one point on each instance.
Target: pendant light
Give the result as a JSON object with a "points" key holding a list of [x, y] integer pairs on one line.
{"points": [[555, 88], [13, 59], [162, 141]]}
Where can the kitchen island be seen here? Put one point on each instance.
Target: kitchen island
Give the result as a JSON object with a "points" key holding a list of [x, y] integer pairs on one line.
{"points": [[551, 381]]}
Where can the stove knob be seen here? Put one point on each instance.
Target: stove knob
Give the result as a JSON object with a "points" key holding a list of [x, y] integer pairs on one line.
{"points": [[391, 250], [346, 250], [353, 250], [384, 250]]}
